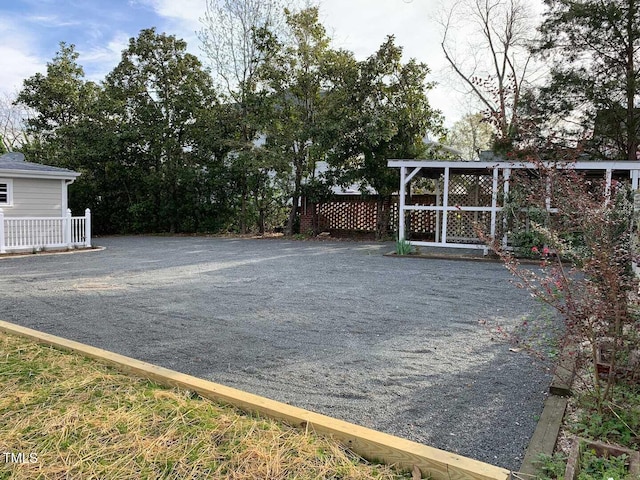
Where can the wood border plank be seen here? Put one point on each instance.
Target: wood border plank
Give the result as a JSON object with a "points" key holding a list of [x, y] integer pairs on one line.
{"points": [[368, 443], [546, 433]]}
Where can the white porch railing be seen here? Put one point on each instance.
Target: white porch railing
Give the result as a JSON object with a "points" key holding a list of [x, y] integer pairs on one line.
{"points": [[34, 233]]}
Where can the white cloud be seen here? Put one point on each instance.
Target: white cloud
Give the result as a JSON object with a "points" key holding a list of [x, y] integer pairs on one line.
{"points": [[19, 59], [182, 19], [362, 25], [100, 60], [187, 11], [51, 21], [16, 66]]}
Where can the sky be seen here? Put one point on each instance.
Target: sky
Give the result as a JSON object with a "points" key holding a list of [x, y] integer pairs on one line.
{"points": [[31, 30]]}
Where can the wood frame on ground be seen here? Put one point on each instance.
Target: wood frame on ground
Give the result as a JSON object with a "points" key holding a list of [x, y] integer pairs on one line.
{"points": [[370, 444]]}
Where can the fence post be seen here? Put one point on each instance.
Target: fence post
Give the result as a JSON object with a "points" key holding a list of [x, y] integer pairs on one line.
{"points": [[87, 228], [2, 246], [67, 228]]}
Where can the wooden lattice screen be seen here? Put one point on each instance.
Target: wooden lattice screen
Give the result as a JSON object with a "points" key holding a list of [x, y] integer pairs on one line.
{"points": [[421, 224], [347, 214], [468, 191]]}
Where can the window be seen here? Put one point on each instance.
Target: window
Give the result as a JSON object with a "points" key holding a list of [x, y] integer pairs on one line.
{"points": [[6, 192]]}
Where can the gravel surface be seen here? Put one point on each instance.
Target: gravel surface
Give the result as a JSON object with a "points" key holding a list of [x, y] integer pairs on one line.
{"points": [[394, 344]]}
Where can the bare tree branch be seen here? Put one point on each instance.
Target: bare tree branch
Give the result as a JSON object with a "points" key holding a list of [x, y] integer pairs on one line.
{"points": [[502, 29], [12, 123]]}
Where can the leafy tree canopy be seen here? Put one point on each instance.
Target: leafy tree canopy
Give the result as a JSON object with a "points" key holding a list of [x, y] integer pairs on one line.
{"points": [[593, 47]]}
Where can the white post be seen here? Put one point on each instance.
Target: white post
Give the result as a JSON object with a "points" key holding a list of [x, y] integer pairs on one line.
{"points": [[634, 180], [547, 200], [437, 213], [506, 175], [494, 203], [403, 174], [607, 187], [2, 247], [67, 228], [87, 228], [445, 205]]}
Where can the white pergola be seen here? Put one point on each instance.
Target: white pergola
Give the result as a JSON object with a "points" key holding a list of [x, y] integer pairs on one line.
{"points": [[443, 171]]}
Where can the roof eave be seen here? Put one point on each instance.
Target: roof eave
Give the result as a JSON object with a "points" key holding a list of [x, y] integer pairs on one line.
{"points": [[12, 173]]}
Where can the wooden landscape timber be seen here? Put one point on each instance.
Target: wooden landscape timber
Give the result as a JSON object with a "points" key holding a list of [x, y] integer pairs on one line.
{"points": [[368, 443], [546, 433]]}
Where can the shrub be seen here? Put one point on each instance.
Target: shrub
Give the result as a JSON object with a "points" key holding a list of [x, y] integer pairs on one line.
{"points": [[583, 239], [403, 247]]}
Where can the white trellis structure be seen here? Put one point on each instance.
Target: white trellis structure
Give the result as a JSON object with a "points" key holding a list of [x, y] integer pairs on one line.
{"points": [[471, 192]]}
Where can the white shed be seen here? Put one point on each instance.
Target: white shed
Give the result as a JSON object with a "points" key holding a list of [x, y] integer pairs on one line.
{"points": [[34, 210]]}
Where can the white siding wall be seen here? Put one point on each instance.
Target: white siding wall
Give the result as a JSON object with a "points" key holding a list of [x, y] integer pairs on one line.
{"points": [[34, 197]]}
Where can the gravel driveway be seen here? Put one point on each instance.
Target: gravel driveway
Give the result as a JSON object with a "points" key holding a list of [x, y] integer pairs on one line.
{"points": [[393, 344]]}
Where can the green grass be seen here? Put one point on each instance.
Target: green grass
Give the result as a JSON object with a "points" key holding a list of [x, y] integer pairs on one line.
{"points": [[82, 419]]}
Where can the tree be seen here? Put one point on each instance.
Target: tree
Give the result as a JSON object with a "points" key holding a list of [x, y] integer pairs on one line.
{"points": [[59, 100], [230, 43], [593, 46], [162, 101], [292, 77], [471, 134], [58, 110], [497, 65], [377, 111]]}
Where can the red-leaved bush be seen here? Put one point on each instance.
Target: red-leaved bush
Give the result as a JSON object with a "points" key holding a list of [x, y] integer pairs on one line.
{"points": [[586, 244]]}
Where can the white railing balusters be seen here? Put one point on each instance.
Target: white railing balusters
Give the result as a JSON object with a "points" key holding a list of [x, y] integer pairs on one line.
{"points": [[2, 241], [24, 233]]}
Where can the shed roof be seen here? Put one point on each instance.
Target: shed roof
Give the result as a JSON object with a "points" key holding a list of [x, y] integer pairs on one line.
{"points": [[13, 165]]}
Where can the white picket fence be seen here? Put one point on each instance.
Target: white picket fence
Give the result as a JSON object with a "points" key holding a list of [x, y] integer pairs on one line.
{"points": [[18, 234]]}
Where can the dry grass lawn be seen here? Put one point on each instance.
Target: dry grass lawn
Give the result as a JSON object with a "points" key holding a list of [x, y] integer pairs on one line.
{"points": [[65, 416]]}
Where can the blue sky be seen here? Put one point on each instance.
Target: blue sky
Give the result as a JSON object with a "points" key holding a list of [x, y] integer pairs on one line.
{"points": [[31, 30]]}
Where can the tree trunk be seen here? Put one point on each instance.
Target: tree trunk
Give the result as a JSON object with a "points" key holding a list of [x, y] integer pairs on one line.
{"points": [[295, 198], [292, 214], [382, 216], [632, 119], [261, 220], [173, 227], [315, 218], [243, 208]]}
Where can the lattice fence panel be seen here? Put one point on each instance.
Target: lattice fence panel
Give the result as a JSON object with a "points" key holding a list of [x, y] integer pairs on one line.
{"points": [[422, 222], [419, 223], [470, 190], [461, 226], [356, 214], [360, 214]]}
